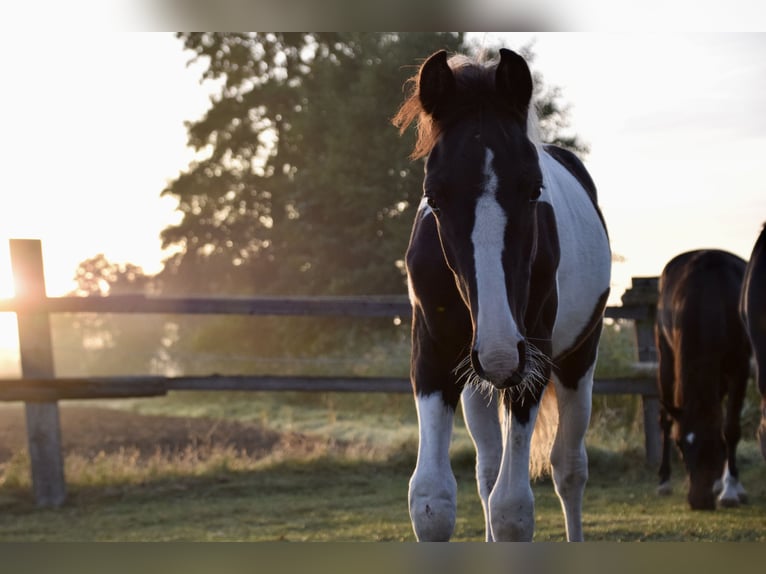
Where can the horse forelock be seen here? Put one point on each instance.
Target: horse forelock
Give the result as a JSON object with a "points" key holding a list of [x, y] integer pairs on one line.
{"points": [[475, 82]]}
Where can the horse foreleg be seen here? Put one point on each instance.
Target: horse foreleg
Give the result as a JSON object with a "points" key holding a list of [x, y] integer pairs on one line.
{"points": [[511, 503], [665, 384], [569, 460], [761, 378], [733, 492], [761, 433], [665, 488], [483, 423], [433, 489]]}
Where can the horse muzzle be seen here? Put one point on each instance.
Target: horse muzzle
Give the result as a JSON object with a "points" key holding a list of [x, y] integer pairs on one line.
{"points": [[504, 368], [701, 495]]}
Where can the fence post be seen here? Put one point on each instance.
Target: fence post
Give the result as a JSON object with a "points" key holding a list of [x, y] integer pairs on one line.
{"points": [[43, 425], [643, 292]]}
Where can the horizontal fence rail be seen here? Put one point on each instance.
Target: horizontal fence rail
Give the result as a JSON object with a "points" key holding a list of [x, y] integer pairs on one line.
{"points": [[353, 306], [36, 390], [350, 306], [40, 389]]}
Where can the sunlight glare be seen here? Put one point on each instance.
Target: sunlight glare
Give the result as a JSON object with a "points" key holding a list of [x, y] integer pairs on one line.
{"points": [[6, 277], [9, 333]]}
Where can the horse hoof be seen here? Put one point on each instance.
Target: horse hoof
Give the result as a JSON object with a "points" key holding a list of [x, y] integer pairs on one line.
{"points": [[664, 489], [743, 498], [728, 502]]}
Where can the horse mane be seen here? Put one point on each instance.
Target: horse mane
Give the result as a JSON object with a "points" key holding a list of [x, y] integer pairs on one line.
{"points": [[475, 79]]}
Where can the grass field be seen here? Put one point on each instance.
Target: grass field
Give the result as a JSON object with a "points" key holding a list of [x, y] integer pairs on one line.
{"points": [[335, 469]]}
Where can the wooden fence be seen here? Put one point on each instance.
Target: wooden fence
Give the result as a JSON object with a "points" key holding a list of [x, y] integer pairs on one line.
{"points": [[40, 389]]}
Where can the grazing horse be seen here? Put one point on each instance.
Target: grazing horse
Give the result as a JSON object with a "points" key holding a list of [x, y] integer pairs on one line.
{"points": [[704, 355], [508, 271], [753, 311]]}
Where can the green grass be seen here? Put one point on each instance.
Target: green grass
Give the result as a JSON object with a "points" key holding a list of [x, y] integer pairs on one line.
{"points": [[358, 497], [340, 500], [373, 419]]}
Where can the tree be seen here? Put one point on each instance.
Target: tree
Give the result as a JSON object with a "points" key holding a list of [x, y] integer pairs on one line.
{"points": [[304, 186]]}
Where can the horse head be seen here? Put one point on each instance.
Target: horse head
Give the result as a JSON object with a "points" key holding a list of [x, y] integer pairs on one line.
{"points": [[483, 183], [703, 452]]}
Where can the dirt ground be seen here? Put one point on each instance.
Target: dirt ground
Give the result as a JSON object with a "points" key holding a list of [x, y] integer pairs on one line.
{"points": [[90, 430]]}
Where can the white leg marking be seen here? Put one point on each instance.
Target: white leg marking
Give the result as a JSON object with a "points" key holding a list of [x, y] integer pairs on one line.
{"points": [[497, 334], [483, 423], [569, 460], [433, 489], [665, 489], [732, 492], [512, 504]]}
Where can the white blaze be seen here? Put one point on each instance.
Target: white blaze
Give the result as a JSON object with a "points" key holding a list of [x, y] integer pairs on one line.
{"points": [[497, 334]]}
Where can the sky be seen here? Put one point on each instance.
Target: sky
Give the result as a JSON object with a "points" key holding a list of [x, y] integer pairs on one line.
{"points": [[677, 135], [93, 129]]}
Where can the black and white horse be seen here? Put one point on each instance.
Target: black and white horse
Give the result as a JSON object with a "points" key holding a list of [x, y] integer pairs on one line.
{"points": [[508, 268], [753, 310], [704, 358]]}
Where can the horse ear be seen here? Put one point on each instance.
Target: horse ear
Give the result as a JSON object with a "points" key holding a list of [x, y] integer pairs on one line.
{"points": [[436, 83], [513, 80]]}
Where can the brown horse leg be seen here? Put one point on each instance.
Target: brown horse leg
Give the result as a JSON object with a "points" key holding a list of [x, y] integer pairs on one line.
{"points": [[665, 381], [733, 492]]}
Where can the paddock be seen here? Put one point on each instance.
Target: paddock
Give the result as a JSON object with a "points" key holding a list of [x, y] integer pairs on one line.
{"points": [[47, 423]]}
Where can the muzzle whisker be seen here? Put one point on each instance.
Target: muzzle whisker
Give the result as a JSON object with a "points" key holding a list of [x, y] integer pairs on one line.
{"points": [[537, 374], [469, 378]]}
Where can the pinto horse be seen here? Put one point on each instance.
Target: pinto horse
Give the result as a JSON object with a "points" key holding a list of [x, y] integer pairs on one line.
{"points": [[508, 271], [753, 311], [704, 355]]}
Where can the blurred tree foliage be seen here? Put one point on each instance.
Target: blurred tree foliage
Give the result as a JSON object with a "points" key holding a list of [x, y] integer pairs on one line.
{"points": [[301, 186], [305, 187], [110, 343]]}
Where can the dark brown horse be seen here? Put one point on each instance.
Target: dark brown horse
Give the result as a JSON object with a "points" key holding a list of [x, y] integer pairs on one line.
{"points": [[704, 357], [753, 308]]}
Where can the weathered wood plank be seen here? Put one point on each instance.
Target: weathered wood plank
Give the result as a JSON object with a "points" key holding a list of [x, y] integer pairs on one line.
{"points": [[292, 383], [627, 386], [634, 312], [359, 306], [363, 306], [138, 386], [43, 425], [644, 291], [50, 390]]}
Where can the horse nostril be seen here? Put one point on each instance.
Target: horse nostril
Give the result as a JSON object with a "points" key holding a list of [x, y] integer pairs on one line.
{"points": [[522, 349]]}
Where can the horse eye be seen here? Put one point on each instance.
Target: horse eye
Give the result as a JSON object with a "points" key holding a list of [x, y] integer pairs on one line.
{"points": [[536, 194], [432, 204]]}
